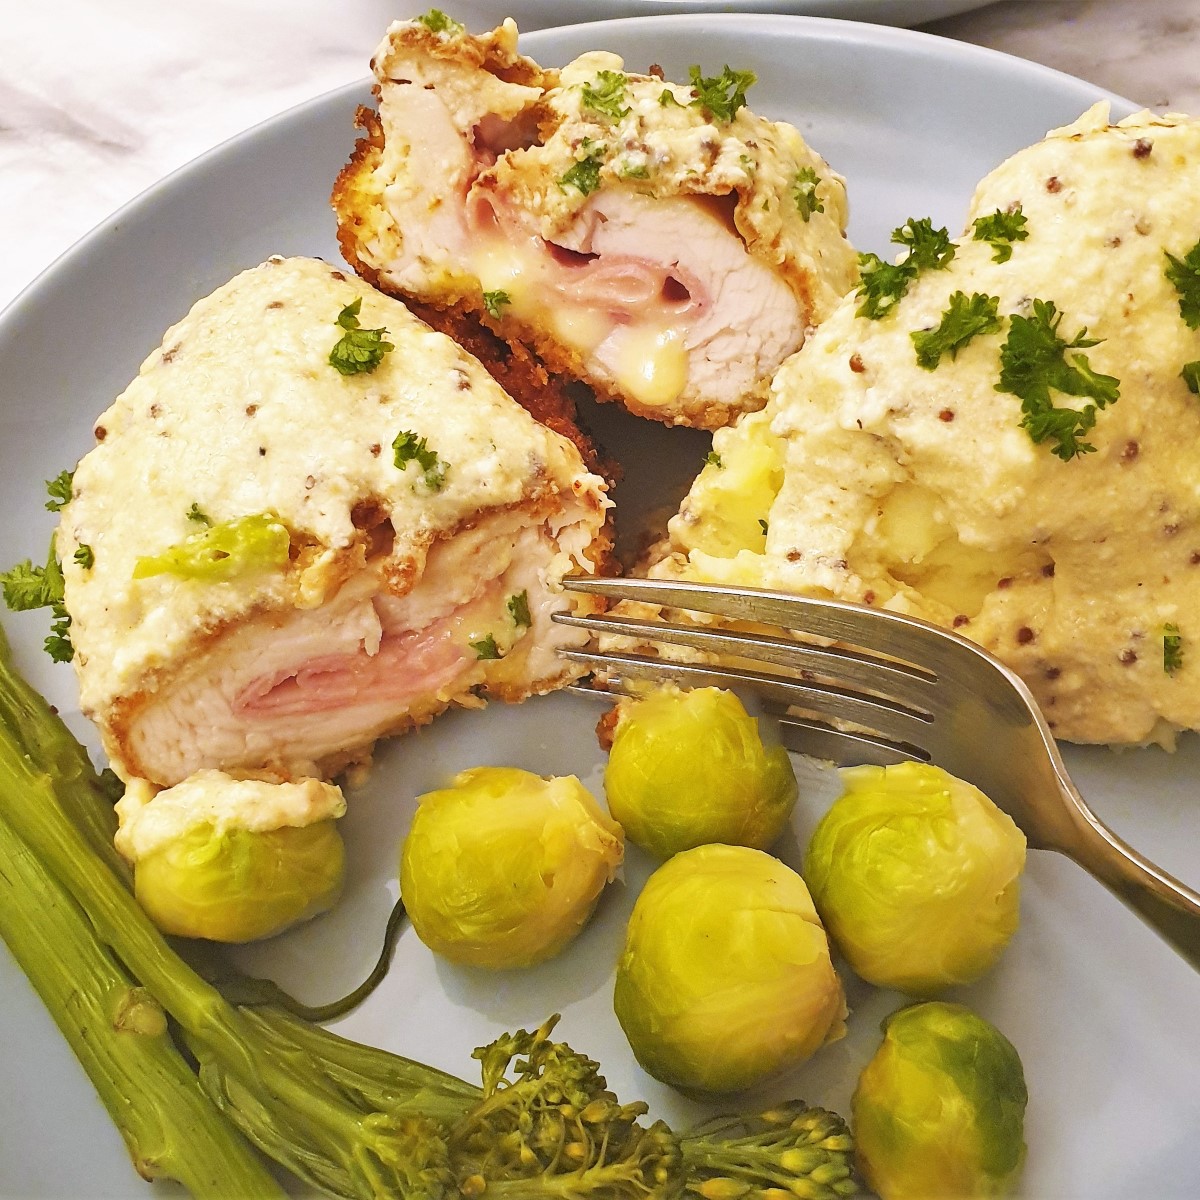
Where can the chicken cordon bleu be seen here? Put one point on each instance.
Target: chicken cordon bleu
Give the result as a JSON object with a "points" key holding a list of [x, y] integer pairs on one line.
{"points": [[998, 433], [311, 521], [659, 241]]}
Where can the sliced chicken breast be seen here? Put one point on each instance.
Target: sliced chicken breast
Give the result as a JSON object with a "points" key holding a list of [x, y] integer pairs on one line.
{"points": [[269, 564], [660, 241]]}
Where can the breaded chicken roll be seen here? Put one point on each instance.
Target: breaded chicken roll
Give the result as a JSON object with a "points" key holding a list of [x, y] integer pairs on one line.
{"points": [[999, 435], [660, 241], [311, 521]]}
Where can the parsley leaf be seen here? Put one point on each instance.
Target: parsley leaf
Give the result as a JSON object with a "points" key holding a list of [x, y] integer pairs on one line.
{"points": [[407, 447], [194, 514], [1184, 274], [1001, 229], [763, 526], [713, 459], [666, 99], [359, 350], [1191, 376], [1172, 649], [882, 284], [85, 556], [27, 587], [966, 318], [927, 247], [584, 176], [518, 609], [1033, 362], [486, 647], [493, 302], [721, 95], [436, 21], [804, 192], [59, 490], [606, 94]]}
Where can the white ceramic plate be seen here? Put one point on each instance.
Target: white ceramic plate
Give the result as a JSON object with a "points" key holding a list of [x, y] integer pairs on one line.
{"points": [[535, 14], [1104, 1015]]}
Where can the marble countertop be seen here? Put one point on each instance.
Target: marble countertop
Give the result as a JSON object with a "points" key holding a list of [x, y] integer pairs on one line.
{"points": [[98, 101]]}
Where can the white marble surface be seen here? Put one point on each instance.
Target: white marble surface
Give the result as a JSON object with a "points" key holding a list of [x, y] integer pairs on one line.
{"points": [[99, 100]]}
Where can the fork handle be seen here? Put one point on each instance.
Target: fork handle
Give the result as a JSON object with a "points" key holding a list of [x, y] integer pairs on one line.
{"points": [[1169, 907]]}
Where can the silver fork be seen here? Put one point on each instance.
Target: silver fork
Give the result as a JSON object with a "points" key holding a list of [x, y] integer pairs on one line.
{"points": [[889, 688]]}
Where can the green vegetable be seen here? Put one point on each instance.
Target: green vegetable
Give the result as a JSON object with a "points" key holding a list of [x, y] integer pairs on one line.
{"points": [[964, 319], [1033, 363], [1172, 649], [241, 885], [584, 176], [348, 1119], [194, 514], [1190, 374], [486, 647], [882, 284], [518, 609], [916, 875], [804, 192], [495, 302], [939, 1111], [436, 21], [725, 979], [721, 95], [606, 94], [407, 447], [713, 459], [358, 350], [1184, 274], [242, 546], [27, 587], [503, 868], [59, 490], [1001, 229], [688, 768], [85, 556]]}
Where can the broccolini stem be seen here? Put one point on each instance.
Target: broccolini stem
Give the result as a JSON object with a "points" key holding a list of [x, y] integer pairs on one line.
{"points": [[120, 1036]]}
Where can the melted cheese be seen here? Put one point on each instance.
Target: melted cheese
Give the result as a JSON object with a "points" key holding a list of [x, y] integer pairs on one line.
{"points": [[653, 364]]}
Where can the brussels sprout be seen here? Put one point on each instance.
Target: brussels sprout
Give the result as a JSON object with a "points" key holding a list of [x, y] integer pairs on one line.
{"points": [[232, 860], [938, 1113], [726, 978], [688, 768], [916, 875], [503, 868]]}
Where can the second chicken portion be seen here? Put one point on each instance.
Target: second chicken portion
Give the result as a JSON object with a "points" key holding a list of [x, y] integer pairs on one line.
{"points": [[658, 240]]}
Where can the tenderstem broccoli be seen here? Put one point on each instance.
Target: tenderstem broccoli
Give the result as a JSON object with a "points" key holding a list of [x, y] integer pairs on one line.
{"points": [[348, 1119]]}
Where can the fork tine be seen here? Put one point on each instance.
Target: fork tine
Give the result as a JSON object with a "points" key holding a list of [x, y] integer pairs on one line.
{"points": [[877, 630], [843, 746], [880, 717]]}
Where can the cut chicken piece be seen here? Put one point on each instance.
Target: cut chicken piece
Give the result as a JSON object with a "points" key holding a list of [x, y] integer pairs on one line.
{"points": [[269, 564], [1008, 449], [670, 255]]}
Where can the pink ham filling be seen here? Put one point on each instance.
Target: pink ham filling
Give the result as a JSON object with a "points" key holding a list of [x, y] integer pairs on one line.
{"points": [[407, 665]]}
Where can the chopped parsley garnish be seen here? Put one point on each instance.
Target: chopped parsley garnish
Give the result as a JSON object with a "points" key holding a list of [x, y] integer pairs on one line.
{"points": [[194, 514], [1184, 274], [486, 647], [804, 192], [713, 459], [59, 490], [1033, 362], [763, 526], [85, 556], [436, 21], [584, 176], [493, 302], [359, 350], [720, 95], [407, 448], [967, 317], [631, 170], [667, 99], [1191, 376], [927, 247], [606, 94], [27, 587], [518, 609], [1172, 649], [882, 283], [1001, 229]]}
